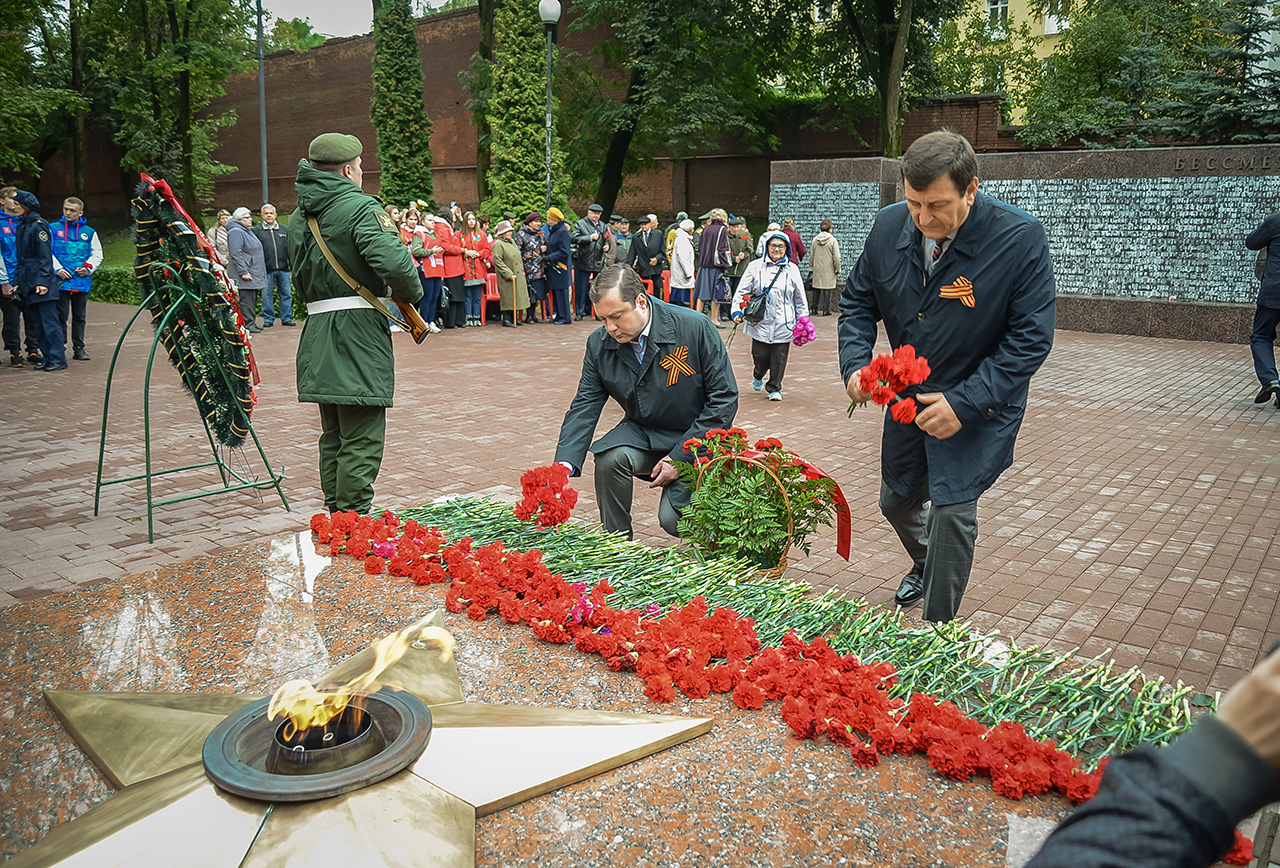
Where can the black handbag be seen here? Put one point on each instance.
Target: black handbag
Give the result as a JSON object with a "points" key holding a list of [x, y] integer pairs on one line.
{"points": [[753, 312], [721, 291]]}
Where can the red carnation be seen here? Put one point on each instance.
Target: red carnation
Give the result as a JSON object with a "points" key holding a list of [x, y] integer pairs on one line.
{"points": [[747, 696], [864, 755], [904, 411], [374, 565], [1241, 852], [883, 396]]}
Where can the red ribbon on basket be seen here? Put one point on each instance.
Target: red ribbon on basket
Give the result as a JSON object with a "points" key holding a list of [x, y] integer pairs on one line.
{"points": [[844, 521]]}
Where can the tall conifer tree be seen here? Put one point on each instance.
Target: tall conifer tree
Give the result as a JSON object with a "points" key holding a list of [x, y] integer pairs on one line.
{"points": [[517, 176], [398, 110]]}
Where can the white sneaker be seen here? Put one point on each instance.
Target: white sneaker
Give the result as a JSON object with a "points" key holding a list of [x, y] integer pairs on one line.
{"points": [[775, 396], [433, 328], [758, 385]]}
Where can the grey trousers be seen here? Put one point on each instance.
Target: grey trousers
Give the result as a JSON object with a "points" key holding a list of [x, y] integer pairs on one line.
{"points": [[616, 472], [939, 540]]}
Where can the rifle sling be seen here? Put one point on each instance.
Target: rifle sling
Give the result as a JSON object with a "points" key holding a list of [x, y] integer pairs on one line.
{"points": [[362, 291]]}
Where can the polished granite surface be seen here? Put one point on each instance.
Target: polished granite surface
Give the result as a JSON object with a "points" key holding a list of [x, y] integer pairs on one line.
{"points": [[744, 794]]}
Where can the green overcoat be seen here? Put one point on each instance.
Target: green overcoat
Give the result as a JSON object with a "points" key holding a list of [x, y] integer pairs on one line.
{"points": [[682, 388], [509, 265], [345, 356]]}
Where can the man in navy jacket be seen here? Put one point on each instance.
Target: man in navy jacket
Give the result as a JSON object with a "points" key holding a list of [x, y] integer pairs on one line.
{"points": [[38, 282], [1267, 316], [967, 281]]}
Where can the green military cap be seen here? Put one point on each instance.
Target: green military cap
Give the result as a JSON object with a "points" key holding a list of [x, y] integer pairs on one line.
{"points": [[706, 216], [334, 148]]}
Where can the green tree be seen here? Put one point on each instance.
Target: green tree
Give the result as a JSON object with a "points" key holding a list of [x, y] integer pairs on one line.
{"points": [[294, 34], [1113, 76], [675, 77], [1233, 96], [880, 49], [978, 55], [158, 64], [517, 115], [34, 87], [398, 109]]}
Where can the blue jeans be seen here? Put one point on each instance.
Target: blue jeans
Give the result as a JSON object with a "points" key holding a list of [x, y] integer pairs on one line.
{"points": [[429, 307], [277, 279], [1263, 343], [475, 301]]}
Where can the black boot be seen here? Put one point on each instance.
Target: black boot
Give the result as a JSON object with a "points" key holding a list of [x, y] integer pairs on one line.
{"points": [[508, 321]]}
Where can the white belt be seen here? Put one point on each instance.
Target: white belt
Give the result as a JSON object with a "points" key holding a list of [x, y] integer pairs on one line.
{"points": [[328, 305]]}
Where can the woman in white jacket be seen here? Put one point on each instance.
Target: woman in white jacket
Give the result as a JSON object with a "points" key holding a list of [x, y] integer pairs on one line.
{"points": [[682, 264], [785, 305]]}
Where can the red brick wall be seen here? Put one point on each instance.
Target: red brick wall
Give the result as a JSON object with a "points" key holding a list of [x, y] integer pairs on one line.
{"points": [[329, 88]]}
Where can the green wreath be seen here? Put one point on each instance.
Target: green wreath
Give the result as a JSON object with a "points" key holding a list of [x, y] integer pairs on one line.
{"points": [[194, 310]]}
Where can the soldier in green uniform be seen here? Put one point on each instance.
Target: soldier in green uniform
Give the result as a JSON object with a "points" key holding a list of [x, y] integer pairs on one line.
{"points": [[670, 373], [345, 362]]}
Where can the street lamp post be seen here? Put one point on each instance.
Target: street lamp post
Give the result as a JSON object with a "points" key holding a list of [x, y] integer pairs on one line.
{"points": [[550, 12], [262, 108]]}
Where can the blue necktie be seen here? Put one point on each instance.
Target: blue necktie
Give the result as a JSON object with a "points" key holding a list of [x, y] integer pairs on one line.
{"points": [[639, 343]]}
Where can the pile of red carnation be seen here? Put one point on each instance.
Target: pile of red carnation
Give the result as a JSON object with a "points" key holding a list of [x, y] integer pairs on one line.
{"points": [[547, 495], [887, 375], [697, 651]]}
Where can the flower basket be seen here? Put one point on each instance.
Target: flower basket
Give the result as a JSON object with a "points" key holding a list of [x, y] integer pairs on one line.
{"points": [[757, 503], [777, 569]]}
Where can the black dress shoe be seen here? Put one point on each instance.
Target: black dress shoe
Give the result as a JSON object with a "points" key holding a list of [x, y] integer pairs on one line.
{"points": [[1267, 391], [55, 368], [80, 356], [911, 589]]}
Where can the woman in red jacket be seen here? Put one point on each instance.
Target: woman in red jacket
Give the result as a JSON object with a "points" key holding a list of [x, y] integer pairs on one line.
{"points": [[475, 272], [451, 271], [426, 255]]}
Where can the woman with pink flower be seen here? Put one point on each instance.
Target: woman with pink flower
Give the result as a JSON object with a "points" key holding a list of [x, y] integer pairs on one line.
{"points": [[786, 312]]}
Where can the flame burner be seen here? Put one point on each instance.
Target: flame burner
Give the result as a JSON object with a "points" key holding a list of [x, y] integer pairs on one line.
{"points": [[248, 755]]}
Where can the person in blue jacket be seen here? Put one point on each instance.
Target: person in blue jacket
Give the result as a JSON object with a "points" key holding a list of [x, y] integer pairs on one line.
{"points": [[38, 283], [16, 334], [77, 251], [967, 281], [556, 262]]}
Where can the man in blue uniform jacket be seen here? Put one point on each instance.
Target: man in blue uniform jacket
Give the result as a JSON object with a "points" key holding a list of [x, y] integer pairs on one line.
{"points": [[669, 371], [967, 281], [38, 283]]}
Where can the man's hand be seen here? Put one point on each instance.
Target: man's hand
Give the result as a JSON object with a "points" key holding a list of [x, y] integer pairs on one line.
{"points": [[1252, 708], [653, 260], [64, 274], [42, 290], [937, 419], [664, 473], [6, 289], [855, 390], [246, 277]]}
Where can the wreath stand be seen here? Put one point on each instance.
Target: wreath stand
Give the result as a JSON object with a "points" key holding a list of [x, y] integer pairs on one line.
{"points": [[183, 307]]}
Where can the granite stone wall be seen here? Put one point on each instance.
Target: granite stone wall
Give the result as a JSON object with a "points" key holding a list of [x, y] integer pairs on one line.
{"points": [[1127, 229]]}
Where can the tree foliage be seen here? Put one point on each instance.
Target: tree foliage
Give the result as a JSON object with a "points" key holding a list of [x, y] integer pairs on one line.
{"points": [[517, 115], [32, 86], [1119, 71], [398, 109], [294, 34], [977, 55]]}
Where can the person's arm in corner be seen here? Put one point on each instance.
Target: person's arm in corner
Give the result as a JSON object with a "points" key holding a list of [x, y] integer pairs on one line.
{"points": [[1178, 806]]}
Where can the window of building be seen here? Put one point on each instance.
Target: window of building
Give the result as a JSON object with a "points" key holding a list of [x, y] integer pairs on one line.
{"points": [[997, 11], [1054, 24], [823, 10]]}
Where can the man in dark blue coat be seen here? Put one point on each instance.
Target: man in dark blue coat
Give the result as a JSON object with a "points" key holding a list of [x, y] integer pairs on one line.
{"points": [[967, 281], [38, 283], [670, 373], [1267, 316]]}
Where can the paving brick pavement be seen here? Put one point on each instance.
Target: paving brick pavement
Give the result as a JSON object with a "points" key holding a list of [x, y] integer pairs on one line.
{"points": [[1140, 514]]}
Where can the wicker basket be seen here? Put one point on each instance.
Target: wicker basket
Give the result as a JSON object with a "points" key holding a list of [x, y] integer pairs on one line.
{"points": [[781, 567]]}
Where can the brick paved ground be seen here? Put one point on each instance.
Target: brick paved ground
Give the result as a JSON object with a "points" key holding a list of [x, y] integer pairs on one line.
{"points": [[1139, 515]]}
